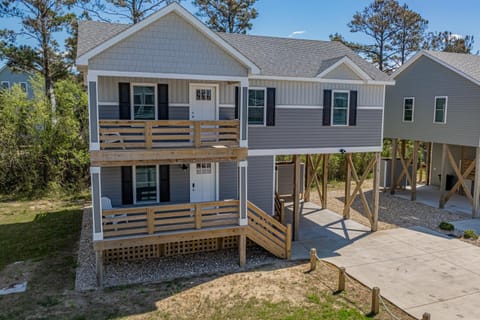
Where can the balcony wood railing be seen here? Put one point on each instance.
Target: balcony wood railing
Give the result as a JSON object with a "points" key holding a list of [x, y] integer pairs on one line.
{"points": [[154, 134], [167, 218]]}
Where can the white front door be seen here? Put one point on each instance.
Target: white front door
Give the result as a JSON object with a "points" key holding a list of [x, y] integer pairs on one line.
{"points": [[203, 102], [203, 175], [202, 182]]}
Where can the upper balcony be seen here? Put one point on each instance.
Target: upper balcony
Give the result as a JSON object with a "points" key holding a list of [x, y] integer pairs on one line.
{"points": [[129, 142]]}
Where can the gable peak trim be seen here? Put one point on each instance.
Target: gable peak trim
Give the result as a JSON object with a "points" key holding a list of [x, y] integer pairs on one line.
{"points": [[350, 64]]}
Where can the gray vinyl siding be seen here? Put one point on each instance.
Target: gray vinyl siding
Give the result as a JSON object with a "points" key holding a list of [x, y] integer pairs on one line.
{"points": [[170, 45], [228, 180], [424, 80], [342, 72], [15, 78], [179, 184], [303, 129], [111, 112], [112, 184], [108, 112], [260, 182], [226, 113], [178, 90], [92, 105], [311, 93], [178, 113]]}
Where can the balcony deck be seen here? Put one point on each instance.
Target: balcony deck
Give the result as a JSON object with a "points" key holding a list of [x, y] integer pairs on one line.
{"points": [[133, 142]]}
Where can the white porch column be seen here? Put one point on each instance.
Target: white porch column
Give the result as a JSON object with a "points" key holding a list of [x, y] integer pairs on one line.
{"points": [[243, 113], [93, 112], [96, 187], [242, 191]]}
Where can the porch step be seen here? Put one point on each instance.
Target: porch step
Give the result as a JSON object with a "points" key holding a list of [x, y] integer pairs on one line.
{"points": [[268, 233]]}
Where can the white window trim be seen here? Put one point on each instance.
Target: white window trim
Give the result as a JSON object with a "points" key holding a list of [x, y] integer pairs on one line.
{"points": [[7, 82], [134, 179], [26, 86], [333, 105], [137, 84], [413, 109], [444, 111], [264, 106]]}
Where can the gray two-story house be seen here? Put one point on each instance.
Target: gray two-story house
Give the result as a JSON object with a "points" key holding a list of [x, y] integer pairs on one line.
{"points": [[8, 79], [436, 101], [186, 125]]}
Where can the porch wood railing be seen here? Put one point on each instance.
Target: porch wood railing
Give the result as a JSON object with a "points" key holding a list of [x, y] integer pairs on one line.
{"points": [[268, 232], [151, 134], [165, 218]]}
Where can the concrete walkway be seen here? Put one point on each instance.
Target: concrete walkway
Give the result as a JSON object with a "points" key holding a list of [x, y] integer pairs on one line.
{"points": [[417, 269]]}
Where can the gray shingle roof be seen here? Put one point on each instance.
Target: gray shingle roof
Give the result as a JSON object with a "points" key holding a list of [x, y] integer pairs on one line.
{"points": [[285, 57], [466, 63]]}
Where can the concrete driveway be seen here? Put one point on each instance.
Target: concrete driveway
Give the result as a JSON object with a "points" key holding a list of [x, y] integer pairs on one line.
{"points": [[417, 269]]}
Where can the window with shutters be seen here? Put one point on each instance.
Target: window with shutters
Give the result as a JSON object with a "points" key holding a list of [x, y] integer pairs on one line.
{"points": [[5, 85], [144, 102], [257, 108], [23, 86], [440, 112], [145, 184], [408, 107], [340, 103]]}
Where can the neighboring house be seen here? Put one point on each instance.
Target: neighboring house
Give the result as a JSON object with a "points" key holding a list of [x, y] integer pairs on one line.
{"points": [[436, 100], [186, 124], [8, 78]]}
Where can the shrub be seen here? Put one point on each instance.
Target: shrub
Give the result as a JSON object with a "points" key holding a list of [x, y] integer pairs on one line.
{"points": [[470, 234], [446, 226]]}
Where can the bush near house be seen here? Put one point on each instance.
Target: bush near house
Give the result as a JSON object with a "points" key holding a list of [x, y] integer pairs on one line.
{"points": [[446, 226], [470, 234]]}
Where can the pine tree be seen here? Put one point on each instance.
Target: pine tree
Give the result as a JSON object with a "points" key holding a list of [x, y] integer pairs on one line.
{"points": [[231, 16]]}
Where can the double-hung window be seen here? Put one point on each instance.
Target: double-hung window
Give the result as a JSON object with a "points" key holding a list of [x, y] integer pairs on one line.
{"points": [[440, 113], [341, 100], [23, 86], [143, 107], [5, 85], [408, 106], [257, 106], [146, 189]]}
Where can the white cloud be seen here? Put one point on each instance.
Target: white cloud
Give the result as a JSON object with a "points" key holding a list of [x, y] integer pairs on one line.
{"points": [[296, 33]]}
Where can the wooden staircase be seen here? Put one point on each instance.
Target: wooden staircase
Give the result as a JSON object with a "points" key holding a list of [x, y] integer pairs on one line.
{"points": [[268, 233]]}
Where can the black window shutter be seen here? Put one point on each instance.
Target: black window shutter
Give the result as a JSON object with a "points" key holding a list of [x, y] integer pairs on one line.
{"points": [[327, 107], [127, 186], [164, 175], [270, 106], [237, 102], [124, 100], [352, 120], [162, 101]]}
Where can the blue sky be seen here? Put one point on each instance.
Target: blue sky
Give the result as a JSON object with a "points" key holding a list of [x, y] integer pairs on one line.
{"points": [[317, 19]]}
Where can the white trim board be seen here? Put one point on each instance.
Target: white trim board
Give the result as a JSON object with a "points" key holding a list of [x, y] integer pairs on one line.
{"points": [[321, 80], [302, 151], [284, 106], [185, 14]]}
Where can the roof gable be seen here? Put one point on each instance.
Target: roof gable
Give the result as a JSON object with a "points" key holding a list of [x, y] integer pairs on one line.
{"points": [[466, 65], [123, 34], [344, 69]]}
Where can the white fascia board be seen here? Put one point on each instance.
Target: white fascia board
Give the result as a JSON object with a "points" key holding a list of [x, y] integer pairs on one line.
{"points": [[181, 11], [302, 151], [303, 79], [346, 60]]}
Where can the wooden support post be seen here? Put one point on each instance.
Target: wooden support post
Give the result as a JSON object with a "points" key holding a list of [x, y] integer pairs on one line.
{"points": [[375, 301], [296, 197], [429, 163], [325, 181], [376, 192], [198, 217], [242, 250], [99, 267], [313, 259], [148, 134], [413, 186], [443, 175], [197, 140], [341, 279], [308, 178], [426, 316], [150, 220], [348, 182], [476, 184], [288, 242], [392, 167]]}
